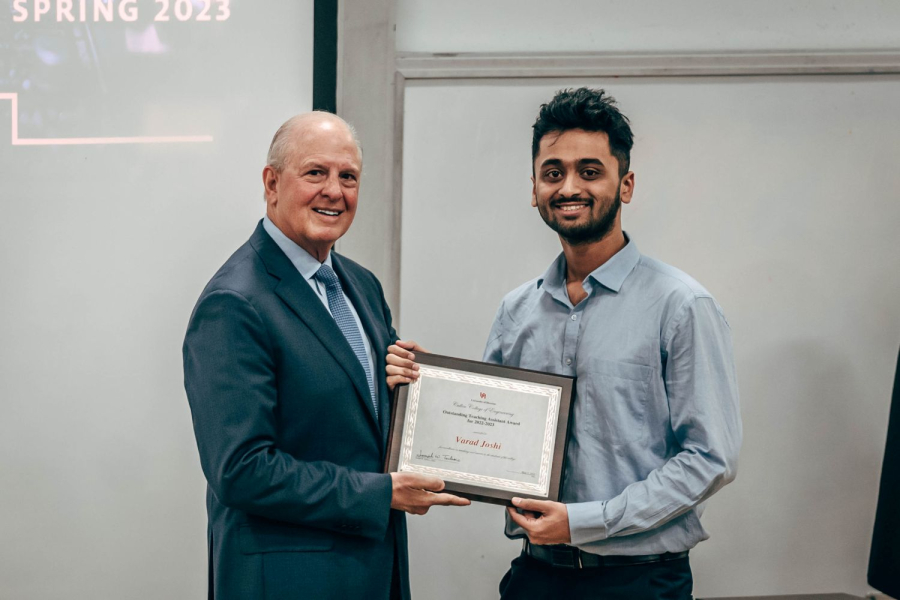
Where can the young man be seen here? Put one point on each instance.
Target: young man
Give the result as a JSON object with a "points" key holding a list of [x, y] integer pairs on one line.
{"points": [[656, 427]]}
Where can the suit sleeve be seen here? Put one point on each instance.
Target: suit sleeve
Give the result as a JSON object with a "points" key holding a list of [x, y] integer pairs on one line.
{"points": [[229, 377], [386, 311]]}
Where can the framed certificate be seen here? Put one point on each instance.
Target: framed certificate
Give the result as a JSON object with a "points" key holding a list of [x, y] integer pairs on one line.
{"points": [[490, 432]]}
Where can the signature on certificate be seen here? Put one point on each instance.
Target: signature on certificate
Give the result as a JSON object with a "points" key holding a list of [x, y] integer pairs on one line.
{"points": [[435, 457], [526, 473]]}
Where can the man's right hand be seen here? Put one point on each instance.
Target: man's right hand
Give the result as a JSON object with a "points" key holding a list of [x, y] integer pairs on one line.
{"points": [[401, 367], [416, 493]]}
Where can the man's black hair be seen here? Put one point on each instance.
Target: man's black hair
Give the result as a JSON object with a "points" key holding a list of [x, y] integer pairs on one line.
{"points": [[591, 110]]}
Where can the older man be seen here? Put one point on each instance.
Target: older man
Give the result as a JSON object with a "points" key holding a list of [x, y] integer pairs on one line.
{"points": [[284, 363], [655, 426]]}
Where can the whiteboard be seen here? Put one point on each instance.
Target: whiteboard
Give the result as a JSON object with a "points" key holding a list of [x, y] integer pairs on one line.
{"points": [[780, 195], [129, 172]]}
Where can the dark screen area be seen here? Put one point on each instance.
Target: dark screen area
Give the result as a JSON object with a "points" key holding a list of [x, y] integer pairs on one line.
{"points": [[325, 55], [884, 560]]}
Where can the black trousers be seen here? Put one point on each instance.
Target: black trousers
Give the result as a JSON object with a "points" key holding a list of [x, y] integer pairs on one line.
{"points": [[531, 579]]}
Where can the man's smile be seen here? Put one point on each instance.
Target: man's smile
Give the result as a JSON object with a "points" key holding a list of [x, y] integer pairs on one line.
{"points": [[571, 207], [328, 212]]}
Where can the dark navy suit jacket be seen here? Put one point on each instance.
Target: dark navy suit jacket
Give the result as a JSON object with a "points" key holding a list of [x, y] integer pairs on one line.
{"points": [[289, 440]]}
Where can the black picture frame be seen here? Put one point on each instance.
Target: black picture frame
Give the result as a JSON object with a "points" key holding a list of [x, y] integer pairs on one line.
{"points": [[477, 492]]}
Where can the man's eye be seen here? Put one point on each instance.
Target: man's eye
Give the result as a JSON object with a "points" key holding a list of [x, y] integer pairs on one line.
{"points": [[590, 173], [315, 172], [554, 174]]}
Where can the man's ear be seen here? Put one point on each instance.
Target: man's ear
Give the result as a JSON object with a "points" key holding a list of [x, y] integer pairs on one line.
{"points": [[270, 184], [533, 193], [626, 187]]}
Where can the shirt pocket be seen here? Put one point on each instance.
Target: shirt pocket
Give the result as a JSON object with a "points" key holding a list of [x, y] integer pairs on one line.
{"points": [[614, 402]]}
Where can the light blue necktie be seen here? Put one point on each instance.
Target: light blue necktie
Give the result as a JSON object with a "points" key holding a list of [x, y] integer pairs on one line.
{"points": [[344, 319]]}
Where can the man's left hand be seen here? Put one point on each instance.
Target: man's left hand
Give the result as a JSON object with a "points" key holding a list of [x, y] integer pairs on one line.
{"points": [[544, 521], [401, 367]]}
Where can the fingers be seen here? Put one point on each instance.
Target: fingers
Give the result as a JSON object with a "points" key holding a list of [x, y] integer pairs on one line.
{"points": [[449, 500], [530, 504], [407, 369], [415, 493], [411, 345], [544, 521], [399, 355], [521, 520], [418, 481], [429, 483], [425, 500], [528, 515], [393, 382], [402, 349], [428, 499], [397, 375], [400, 368], [401, 362]]}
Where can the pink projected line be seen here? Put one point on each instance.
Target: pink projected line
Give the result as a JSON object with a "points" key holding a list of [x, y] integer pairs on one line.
{"points": [[17, 141]]}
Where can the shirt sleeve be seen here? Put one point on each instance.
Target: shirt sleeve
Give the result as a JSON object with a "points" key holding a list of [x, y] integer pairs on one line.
{"points": [[701, 386], [493, 351]]}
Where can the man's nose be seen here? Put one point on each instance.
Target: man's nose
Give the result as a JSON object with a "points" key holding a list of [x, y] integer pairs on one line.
{"points": [[332, 188], [571, 186]]}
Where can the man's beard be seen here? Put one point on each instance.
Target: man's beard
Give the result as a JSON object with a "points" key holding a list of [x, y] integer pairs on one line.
{"points": [[594, 230]]}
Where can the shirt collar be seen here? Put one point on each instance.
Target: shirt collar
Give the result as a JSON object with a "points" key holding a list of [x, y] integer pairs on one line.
{"points": [[610, 274], [613, 272], [553, 281], [305, 262]]}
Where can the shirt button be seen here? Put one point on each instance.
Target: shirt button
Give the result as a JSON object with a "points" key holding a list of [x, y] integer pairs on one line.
{"points": [[568, 361], [574, 317]]}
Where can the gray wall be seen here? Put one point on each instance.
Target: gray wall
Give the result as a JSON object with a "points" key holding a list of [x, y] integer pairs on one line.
{"points": [[103, 251]]}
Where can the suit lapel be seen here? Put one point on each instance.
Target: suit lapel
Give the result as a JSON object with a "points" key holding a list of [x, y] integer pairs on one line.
{"points": [[297, 294]]}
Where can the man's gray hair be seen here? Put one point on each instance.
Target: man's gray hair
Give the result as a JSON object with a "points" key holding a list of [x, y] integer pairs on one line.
{"points": [[279, 148]]}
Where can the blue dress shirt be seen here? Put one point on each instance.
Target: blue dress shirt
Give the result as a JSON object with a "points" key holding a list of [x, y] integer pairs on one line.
{"points": [[308, 265], [656, 426]]}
